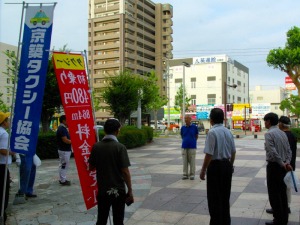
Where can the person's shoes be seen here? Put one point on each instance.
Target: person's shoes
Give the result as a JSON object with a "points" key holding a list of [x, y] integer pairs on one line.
{"points": [[19, 199], [66, 183], [31, 195], [270, 211], [270, 223], [184, 177], [192, 178]]}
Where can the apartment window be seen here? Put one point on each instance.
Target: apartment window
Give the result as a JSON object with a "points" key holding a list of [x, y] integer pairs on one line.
{"points": [[259, 98], [7, 61], [178, 80], [7, 90], [211, 99], [239, 99], [8, 81], [193, 82], [193, 99], [211, 78], [8, 100]]}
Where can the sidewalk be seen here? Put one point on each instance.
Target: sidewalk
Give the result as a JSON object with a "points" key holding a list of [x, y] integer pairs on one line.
{"points": [[161, 197]]}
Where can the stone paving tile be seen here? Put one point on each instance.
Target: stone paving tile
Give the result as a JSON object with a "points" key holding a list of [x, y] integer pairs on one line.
{"points": [[161, 197]]}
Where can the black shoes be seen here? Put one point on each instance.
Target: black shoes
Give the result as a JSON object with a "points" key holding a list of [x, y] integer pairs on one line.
{"points": [[31, 195], [270, 211], [66, 183]]}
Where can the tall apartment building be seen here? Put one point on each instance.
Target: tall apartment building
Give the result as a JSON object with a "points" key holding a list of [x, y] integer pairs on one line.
{"points": [[128, 34], [6, 82]]}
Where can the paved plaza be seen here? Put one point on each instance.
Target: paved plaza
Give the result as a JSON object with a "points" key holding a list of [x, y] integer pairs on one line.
{"points": [[161, 197]]}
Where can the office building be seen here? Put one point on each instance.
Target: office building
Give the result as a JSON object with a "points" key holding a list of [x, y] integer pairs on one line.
{"points": [[6, 76], [131, 35]]}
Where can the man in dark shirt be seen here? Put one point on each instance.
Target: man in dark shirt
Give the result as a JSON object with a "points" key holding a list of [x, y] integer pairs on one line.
{"points": [[64, 150], [110, 159]]}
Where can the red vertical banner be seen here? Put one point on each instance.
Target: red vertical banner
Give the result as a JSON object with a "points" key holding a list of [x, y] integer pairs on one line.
{"points": [[75, 94]]}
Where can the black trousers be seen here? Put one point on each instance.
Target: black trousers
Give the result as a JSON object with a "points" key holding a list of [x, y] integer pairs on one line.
{"points": [[219, 176], [2, 181], [277, 193], [117, 203]]}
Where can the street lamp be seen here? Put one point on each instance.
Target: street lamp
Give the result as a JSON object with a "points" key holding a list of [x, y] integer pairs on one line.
{"points": [[225, 100], [185, 64]]}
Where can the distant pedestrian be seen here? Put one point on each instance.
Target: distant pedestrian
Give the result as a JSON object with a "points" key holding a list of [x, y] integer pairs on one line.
{"points": [[284, 125], [189, 134], [218, 161], [64, 150], [110, 159], [278, 156], [5, 160]]}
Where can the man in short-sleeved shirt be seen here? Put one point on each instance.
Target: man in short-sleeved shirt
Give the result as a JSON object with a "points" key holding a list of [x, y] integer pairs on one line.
{"points": [[219, 158], [110, 159]]}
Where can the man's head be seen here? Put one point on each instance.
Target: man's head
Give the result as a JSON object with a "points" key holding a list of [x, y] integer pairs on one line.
{"points": [[112, 126], [216, 116], [187, 120], [271, 119], [4, 119], [284, 122], [63, 119]]}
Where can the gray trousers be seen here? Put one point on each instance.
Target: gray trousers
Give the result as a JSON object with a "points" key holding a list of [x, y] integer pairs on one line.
{"points": [[188, 158], [64, 162]]}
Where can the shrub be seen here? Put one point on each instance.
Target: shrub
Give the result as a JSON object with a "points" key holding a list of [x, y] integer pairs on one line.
{"points": [[296, 132], [47, 145]]}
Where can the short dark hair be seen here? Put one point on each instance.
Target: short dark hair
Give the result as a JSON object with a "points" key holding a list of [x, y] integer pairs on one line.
{"points": [[285, 120], [111, 126], [272, 117], [217, 115], [62, 118]]}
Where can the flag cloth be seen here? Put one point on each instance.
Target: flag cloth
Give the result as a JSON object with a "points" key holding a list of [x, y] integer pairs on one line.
{"points": [[75, 94], [31, 78]]}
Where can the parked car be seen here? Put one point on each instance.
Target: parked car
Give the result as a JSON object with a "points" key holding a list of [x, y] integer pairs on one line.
{"points": [[172, 125], [160, 126]]}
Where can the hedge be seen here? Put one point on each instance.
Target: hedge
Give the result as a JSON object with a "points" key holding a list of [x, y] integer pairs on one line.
{"points": [[130, 136], [296, 132]]}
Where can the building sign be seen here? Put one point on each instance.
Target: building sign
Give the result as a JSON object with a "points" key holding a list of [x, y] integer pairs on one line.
{"points": [[203, 111], [211, 59], [75, 94], [174, 114], [239, 112], [31, 78], [259, 110], [289, 84]]}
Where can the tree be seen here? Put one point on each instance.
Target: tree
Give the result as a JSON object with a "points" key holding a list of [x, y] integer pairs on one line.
{"points": [[155, 100], [178, 105], [121, 94], [287, 59], [292, 104], [3, 106]]}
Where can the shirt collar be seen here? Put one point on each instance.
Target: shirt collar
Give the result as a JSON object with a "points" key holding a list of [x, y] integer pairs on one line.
{"points": [[110, 136], [217, 125]]}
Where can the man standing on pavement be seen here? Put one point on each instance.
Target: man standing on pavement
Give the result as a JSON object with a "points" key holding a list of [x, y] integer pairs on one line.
{"points": [[278, 156], [64, 150], [189, 134], [218, 161], [5, 160], [110, 159]]}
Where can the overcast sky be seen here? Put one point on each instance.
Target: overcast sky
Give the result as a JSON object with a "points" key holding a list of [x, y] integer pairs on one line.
{"points": [[244, 30]]}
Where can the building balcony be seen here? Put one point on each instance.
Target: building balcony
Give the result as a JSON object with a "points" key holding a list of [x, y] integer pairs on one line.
{"points": [[106, 37]]}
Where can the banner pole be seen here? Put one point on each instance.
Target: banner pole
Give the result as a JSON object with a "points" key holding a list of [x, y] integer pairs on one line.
{"points": [[10, 122], [91, 93]]}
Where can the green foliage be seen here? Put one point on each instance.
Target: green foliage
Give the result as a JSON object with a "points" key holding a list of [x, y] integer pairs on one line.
{"points": [[296, 132], [178, 104], [287, 59], [3, 106], [47, 145], [292, 104]]}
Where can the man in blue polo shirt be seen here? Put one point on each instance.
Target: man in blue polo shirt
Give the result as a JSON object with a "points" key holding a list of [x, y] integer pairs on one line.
{"points": [[189, 134]]}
